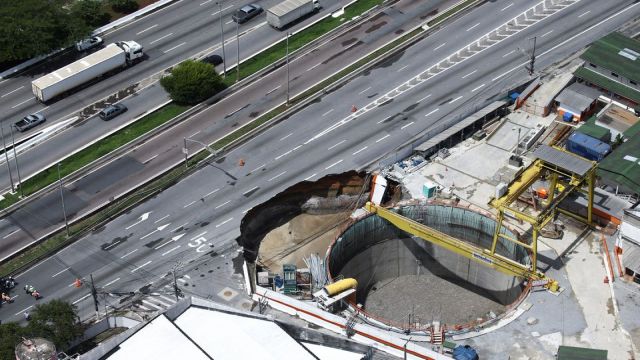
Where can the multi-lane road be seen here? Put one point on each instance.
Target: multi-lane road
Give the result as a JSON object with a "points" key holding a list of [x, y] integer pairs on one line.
{"points": [[203, 212]]}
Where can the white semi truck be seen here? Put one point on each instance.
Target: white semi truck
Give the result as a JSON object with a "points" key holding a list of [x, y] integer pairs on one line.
{"points": [[113, 56], [288, 11]]}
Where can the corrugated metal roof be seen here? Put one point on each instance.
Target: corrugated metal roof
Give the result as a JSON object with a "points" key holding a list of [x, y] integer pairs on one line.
{"points": [[576, 98], [577, 353], [97, 57], [459, 126], [286, 6], [630, 255], [607, 83], [605, 52], [563, 159], [622, 165]]}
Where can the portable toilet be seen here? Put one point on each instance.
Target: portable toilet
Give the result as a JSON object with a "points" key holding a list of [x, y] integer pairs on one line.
{"points": [[429, 189]]}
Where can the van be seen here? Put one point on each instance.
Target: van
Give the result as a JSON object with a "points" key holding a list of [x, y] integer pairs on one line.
{"points": [[112, 111]]}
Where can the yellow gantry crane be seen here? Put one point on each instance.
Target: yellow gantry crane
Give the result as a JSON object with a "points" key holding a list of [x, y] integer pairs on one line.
{"points": [[566, 173]]}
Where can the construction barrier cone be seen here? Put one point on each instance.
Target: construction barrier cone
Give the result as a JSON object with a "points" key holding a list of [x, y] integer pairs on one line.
{"points": [[77, 283], [354, 108], [606, 279], [241, 162]]}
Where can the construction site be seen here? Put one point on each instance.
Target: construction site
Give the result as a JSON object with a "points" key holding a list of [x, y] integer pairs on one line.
{"points": [[505, 226]]}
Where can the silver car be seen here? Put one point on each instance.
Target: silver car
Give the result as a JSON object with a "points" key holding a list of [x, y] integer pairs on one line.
{"points": [[90, 43]]}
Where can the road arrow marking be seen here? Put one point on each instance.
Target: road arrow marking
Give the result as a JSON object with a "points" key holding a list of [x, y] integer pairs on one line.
{"points": [[142, 218], [160, 228], [175, 238]]}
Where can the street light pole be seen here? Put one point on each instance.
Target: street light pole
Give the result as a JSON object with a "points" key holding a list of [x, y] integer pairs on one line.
{"points": [[186, 154], [224, 58], [64, 210], [15, 157], [287, 68], [238, 51], [6, 157]]}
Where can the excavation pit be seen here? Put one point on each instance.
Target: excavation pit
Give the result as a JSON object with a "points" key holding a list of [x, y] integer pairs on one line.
{"points": [[407, 282]]}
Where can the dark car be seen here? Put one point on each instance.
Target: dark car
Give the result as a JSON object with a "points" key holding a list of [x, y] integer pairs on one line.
{"points": [[246, 13], [214, 60], [112, 111]]}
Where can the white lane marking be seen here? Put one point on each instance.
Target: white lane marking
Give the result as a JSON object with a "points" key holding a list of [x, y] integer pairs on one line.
{"points": [[584, 13], [361, 150], [258, 168], [211, 192], [23, 310], [250, 190], [151, 158], [456, 99], [224, 222], [141, 266], [112, 245], [82, 298], [228, 22], [162, 218], [170, 250], [509, 53], [469, 74], [477, 88], [473, 27], [547, 33], [180, 227], [187, 276], [111, 282], [12, 91], [223, 204], [11, 233], [328, 112], [147, 29], [14, 297], [16, 105], [151, 304], [60, 272], [363, 91], [314, 66], [182, 280], [402, 68], [227, 8], [439, 46], [506, 7], [425, 98], [409, 124], [272, 90], [382, 138], [194, 134], [175, 238], [334, 164], [189, 204], [159, 228], [175, 47], [129, 253], [172, 301], [284, 137], [142, 307], [431, 112], [206, 2], [309, 177], [333, 146], [158, 39], [567, 41], [244, 212], [277, 176]]}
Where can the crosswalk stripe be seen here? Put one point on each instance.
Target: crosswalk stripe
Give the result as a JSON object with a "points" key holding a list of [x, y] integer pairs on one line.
{"points": [[172, 301], [151, 304]]}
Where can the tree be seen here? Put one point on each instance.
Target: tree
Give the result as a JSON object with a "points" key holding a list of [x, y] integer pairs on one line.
{"points": [[91, 12], [56, 321], [35, 27], [10, 336], [191, 82], [124, 6]]}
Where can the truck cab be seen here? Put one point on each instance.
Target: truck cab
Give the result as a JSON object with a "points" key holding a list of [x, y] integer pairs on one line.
{"points": [[132, 50]]}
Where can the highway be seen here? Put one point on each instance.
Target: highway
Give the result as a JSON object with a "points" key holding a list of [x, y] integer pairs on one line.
{"points": [[202, 213], [167, 40]]}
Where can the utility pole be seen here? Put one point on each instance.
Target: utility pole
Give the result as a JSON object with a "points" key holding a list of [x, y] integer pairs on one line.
{"points": [[6, 157], [186, 154], [224, 58], [94, 294], [15, 157], [64, 210], [287, 68], [238, 51], [533, 57]]}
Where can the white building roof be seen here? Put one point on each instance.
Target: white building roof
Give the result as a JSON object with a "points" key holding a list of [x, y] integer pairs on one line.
{"points": [[330, 353]]}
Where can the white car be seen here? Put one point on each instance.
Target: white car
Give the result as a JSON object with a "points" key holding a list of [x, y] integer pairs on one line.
{"points": [[90, 43]]}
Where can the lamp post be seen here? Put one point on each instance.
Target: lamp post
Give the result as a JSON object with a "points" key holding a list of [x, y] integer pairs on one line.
{"points": [[287, 68], [64, 210], [224, 58], [15, 157], [6, 157], [186, 151], [238, 51]]}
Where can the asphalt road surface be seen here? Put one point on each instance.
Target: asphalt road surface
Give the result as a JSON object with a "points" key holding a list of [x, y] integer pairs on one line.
{"points": [[186, 29], [201, 214]]}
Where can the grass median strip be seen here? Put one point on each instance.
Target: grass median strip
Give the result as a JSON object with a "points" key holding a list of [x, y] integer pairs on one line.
{"points": [[96, 151]]}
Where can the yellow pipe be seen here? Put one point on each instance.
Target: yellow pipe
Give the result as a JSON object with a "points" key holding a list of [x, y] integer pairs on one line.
{"points": [[340, 286]]}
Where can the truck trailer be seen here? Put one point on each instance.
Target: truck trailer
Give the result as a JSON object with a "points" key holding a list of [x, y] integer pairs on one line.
{"points": [[113, 56], [288, 11]]}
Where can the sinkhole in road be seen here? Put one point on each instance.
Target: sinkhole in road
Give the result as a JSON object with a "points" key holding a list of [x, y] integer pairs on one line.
{"points": [[406, 282]]}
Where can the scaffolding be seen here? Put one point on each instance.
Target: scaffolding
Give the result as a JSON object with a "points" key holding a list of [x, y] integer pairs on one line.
{"points": [[567, 173]]}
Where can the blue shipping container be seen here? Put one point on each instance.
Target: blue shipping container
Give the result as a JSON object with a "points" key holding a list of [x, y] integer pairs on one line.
{"points": [[587, 146], [465, 353]]}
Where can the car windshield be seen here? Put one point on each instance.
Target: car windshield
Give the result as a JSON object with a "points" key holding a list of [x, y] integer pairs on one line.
{"points": [[247, 9], [30, 117]]}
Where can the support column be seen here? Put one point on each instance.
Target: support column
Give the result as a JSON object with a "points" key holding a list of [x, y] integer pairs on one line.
{"points": [[496, 233]]}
